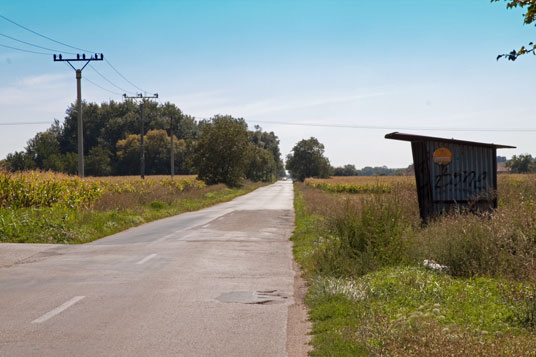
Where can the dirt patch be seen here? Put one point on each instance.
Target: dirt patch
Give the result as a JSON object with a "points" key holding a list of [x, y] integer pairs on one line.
{"points": [[298, 324]]}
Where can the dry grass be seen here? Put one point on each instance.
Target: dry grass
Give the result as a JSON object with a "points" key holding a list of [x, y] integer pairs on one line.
{"points": [[365, 180]]}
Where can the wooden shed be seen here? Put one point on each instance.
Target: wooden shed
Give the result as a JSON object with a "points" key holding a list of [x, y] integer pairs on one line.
{"points": [[453, 174]]}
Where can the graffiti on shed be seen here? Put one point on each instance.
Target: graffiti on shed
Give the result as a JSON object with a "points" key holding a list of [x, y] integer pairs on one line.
{"points": [[453, 174]]}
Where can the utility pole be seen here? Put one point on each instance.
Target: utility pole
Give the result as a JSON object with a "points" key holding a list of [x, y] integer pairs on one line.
{"points": [[82, 58], [172, 154], [142, 129]]}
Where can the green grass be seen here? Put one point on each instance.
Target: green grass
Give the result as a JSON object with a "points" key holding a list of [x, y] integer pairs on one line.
{"points": [[396, 307], [73, 226], [411, 310]]}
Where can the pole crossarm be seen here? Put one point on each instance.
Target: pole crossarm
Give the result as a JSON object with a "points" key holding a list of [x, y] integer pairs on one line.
{"points": [[79, 58], [140, 96]]}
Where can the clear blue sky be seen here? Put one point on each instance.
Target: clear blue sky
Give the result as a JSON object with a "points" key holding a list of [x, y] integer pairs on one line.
{"points": [[397, 64]]}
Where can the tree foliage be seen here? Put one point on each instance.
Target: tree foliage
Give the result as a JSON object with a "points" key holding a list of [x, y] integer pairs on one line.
{"points": [[221, 152], [522, 164], [529, 17], [347, 170], [226, 151], [307, 160]]}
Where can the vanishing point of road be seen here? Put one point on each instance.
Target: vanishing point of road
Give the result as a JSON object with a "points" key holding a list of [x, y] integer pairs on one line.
{"points": [[216, 282]]}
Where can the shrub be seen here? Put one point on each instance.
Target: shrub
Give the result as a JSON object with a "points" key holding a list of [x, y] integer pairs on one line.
{"points": [[364, 236]]}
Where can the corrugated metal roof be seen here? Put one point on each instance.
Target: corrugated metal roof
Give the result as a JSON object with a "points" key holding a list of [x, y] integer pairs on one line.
{"points": [[420, 138]]}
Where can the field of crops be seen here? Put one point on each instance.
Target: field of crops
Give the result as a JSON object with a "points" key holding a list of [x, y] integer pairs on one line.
{"points": [[358, 184], [45, 207], [381, 283], [46, 189]]}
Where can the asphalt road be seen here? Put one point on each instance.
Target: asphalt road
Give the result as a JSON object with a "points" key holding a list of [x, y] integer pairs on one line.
{"points": [[217, 282]]}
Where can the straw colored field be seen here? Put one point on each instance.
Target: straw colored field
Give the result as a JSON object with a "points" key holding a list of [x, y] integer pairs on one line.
{"points": [[359, 184], [364, 180]]}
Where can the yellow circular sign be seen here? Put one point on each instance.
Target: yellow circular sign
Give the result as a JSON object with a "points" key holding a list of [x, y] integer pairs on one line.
{"points": [[442, 156]]}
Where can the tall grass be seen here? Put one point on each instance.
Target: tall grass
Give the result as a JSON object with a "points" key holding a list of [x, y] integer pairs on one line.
{"points": [[371, 294], [369, 231]]}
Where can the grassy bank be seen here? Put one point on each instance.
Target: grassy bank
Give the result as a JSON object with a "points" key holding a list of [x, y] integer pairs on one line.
{"points": [[371, 294], [50, 208]]}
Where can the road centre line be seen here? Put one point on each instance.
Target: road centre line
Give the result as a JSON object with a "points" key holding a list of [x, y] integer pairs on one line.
{"points": [[146, 259], [58, 310]]}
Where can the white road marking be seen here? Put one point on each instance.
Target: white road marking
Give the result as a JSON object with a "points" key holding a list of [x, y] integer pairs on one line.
{"points": [[146, 258], [58, 310]]}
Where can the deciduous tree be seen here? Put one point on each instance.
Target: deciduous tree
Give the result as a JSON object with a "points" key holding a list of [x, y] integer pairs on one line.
{"points": [[529, 17], [307, 160], [221, 151]]}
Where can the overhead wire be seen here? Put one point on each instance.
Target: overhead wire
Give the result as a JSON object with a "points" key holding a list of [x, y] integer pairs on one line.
{"points": [[34, 45], [97, 85], [24, 50], [67, 45], [116, 71], [43, 36], [107, 80], [371, 127], [26, 123]]}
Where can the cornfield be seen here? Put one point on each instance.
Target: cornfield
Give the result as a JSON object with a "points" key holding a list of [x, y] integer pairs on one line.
{"points": [[35, 189], [354, 184]]}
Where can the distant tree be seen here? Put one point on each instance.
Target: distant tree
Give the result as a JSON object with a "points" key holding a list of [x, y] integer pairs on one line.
{"points": [[128, 154], [157, 152], [521, 164], [307, 160], [338, 171], [383, 171], [347, 170], [19, 160], [529, 17], [98, 162], [112, 143], [261, 165], [350, 170], [221, 151], [40, 147], [270, 142]]}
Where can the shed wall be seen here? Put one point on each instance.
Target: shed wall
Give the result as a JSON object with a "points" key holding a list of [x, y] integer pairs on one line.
{"points": [[468, 181]]}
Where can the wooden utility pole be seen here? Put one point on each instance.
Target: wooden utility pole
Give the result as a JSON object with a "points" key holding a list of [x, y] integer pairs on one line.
{"points": [[142, 129], [59, 58], [172, 153]]}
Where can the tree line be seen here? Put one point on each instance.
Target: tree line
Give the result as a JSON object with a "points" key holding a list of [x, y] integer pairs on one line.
{"points": [[220, 149], [307, 160]]}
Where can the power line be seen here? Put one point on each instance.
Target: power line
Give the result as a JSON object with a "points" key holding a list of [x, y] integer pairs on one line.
{"points": [[63, 44], [109, 81], [43, 36], [34, 45], [25, 123], [23, 50], [116, 71], [96, 85], [395, 128]]}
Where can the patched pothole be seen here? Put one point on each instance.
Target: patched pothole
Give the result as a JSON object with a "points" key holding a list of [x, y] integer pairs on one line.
{"points": [[253, 297]]}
